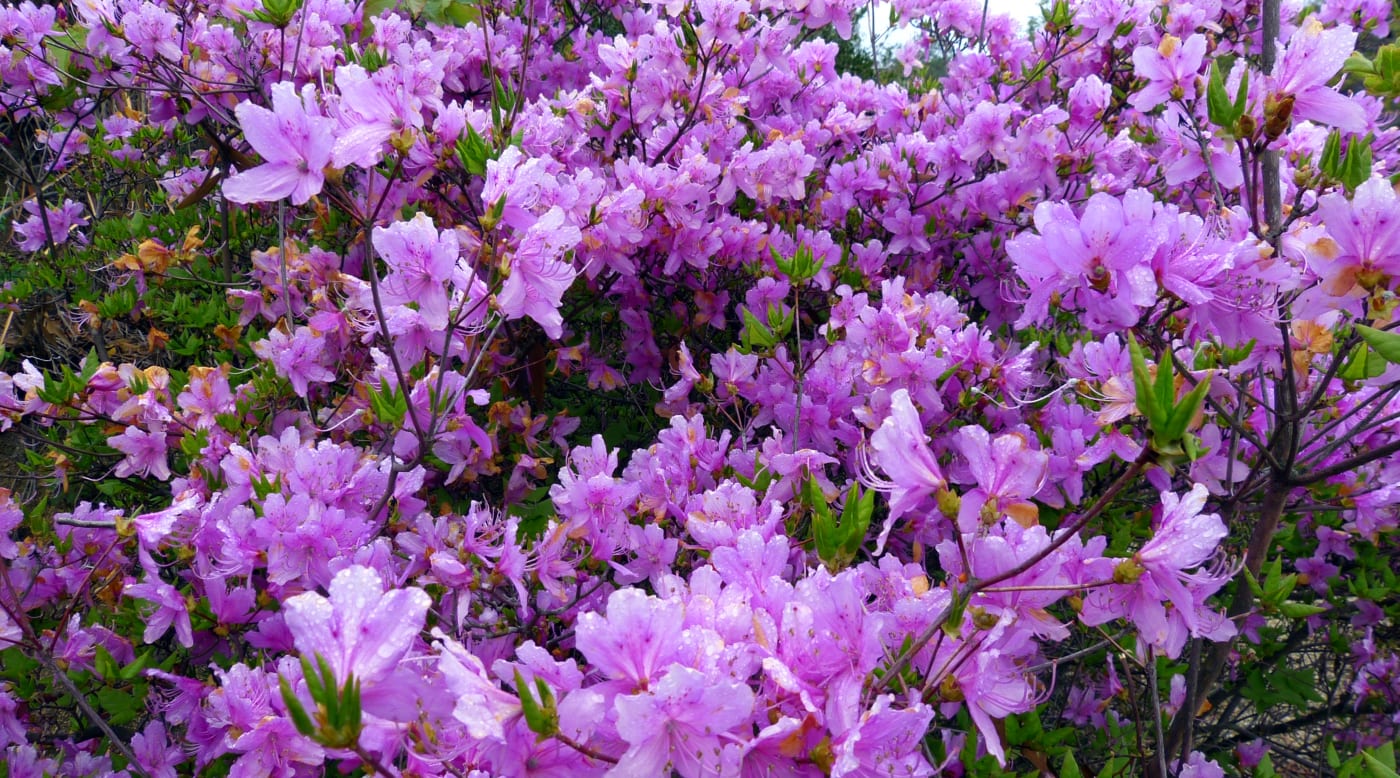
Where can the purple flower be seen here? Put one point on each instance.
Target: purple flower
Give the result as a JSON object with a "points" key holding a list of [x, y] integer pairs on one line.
{"points": [[372, 110], [538, 276], [682, 723], [12, 724], [1311, 58], [297, 357], [900, 449], [155, 753], [361, 629], [421, 260], [1156, 575], [1099, 262], [1008, 473], [1170, 70], [145, 452], [295, 142], [63, 223], [1365, 233], [170, 609], [639, 636], [887, 741]]}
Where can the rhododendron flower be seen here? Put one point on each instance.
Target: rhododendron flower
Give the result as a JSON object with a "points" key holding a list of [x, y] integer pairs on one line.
{"points": [[900, 449], [538, 277], [1170, 69], [156, 755], [170, 609], [994, 687], [639, 636], [887, 741], [421, 260], [1156, 575], [145, 452], [680, 723], [1008, 474], [1312, 57], [1365, 232], [1098, 262], [361, 629], [297, 357], [62, 225], [295, 142], [372, 110]]}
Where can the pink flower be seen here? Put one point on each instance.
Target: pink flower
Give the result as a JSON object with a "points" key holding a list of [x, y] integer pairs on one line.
{"points": [[297, 357], [372, 109], [538, 277], [887, 741], [1098, 262], [639, 636], [1366, 235], [170, 609], [1008, 474], [63, 223], [1311, 58], [421, 260], [1156, 575], [900, 449], [1170, 70], [155, 753], [295, 142], [145, 452], [682, 723], [361, 629]]}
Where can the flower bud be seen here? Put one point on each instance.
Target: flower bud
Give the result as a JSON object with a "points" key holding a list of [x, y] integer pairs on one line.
{"points": [[948, 502], [982, 619], [949, 689], [1277, 115], [1246, 126], [1128, 571]]}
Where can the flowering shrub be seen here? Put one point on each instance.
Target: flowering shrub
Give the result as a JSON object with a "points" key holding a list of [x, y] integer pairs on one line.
{"points": [[547, 388]]}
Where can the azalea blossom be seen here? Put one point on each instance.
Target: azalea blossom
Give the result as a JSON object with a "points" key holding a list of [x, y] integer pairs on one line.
{"points": [[1307, 64], [362, 630], [538, 275], [295, 142], [900, 449]]}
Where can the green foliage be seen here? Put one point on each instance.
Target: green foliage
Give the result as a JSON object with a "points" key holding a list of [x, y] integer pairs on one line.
{"points": [[338, 716], [1167, 419], [839, 539]]}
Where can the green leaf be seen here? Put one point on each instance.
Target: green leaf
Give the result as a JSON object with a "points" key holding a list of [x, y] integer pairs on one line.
{"points": [[1221, 110], [1378, 768], [1359, 64], [350, 709], [1143, 387], [1386, 343], [1187, 409], [1356, 168], [295, 709], [105, 665], [473, 152], [330, 697], [1299, 610], [1241, 97], [1069, 768], [134, 669], [1361, 364], [756, 333], [122, 706], [1330, 163], [1218, 107], [537, 716]]}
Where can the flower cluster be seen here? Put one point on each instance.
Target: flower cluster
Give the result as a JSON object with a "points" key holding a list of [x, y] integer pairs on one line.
{"points": [[630, 389]]}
